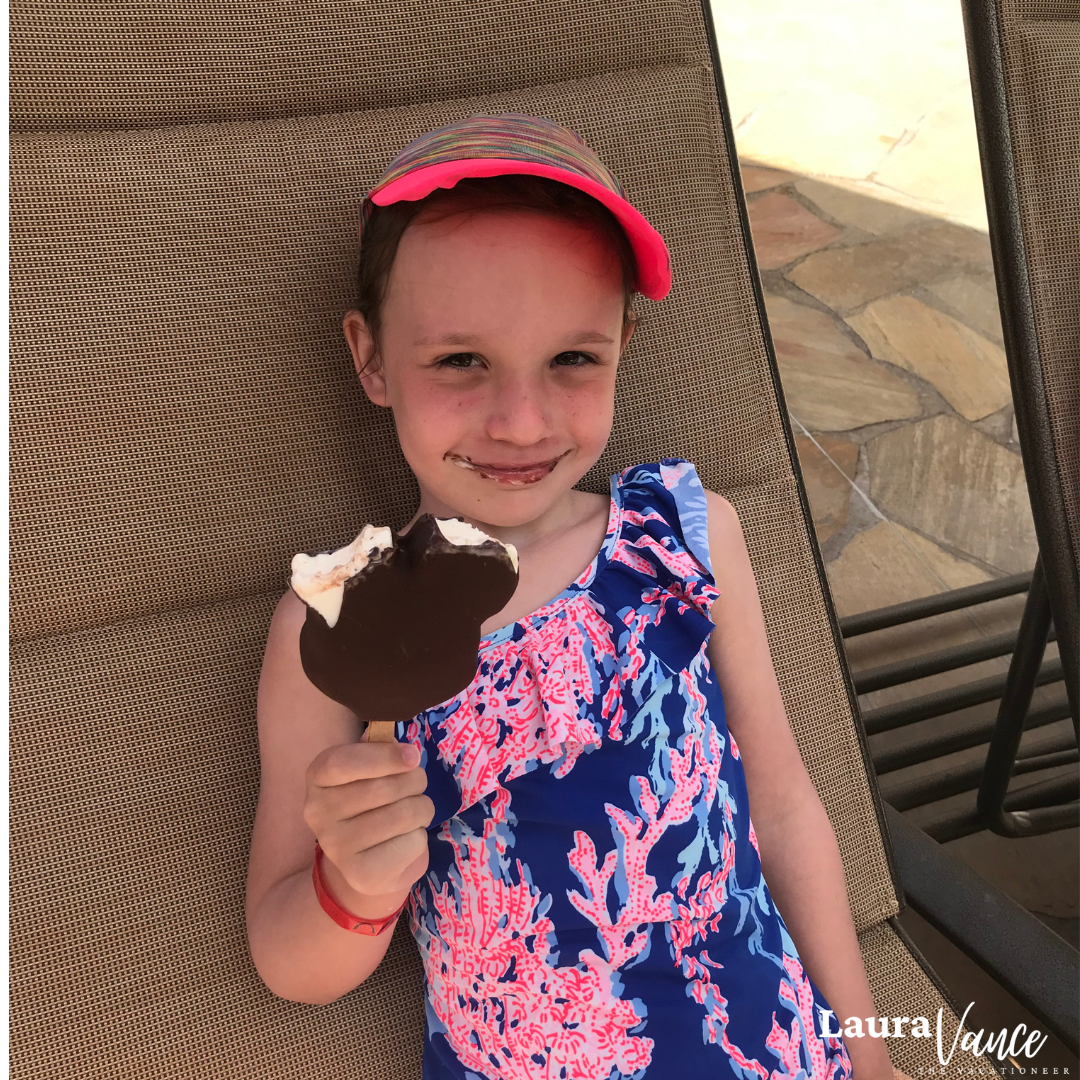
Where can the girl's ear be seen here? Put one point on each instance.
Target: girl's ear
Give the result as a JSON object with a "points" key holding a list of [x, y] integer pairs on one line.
{"points": [[628, 332], [366, 360]]}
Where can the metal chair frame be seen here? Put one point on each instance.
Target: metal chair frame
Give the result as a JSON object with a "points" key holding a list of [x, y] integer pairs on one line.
{"points": [[1041, 807]]}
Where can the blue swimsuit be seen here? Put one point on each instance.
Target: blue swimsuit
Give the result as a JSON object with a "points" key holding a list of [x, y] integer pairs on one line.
{"points": [[594, 908]]}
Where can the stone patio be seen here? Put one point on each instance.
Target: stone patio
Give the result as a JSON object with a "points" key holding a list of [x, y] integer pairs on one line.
{"points": [[888, 340]]}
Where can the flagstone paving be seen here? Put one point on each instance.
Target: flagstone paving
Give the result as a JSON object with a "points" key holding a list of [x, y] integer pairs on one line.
{"points": [[958, 487], [837, 386], [828, 463], [888, 340], [968, 369], [845, 278], [784, 229], [973, 300], [874, 216]]}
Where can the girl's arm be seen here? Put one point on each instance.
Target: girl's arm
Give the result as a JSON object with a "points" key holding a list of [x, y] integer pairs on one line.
{"points": [[299, 951], [799, 855]]}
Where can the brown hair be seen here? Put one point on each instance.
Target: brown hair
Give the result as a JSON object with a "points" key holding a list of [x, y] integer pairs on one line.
{"points": [[387, 224]]}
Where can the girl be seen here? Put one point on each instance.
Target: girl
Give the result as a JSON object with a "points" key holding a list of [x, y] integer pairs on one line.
{"points": [[573, 831]]}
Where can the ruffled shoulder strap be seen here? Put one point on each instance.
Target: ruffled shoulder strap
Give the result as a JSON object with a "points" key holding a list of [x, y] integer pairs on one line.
{"points": [[672, 488]]}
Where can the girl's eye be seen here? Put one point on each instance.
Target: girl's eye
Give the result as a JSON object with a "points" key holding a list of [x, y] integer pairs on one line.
{"points": [[449, 361], [463, 361], [585, 358]]}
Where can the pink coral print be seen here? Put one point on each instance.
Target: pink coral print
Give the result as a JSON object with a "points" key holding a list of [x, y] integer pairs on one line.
{"points": [[802, 1053], [802, 1040], [508, 1013], [753, 839], [619, 665], [622, 553], [701, 913], [673, 475], [681, 564], [623, 937], [644, 553], [681, 479], [635, 660], [530, 702]]}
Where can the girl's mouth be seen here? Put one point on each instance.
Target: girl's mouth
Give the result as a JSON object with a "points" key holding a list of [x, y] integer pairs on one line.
{"points": [[507, 473]]}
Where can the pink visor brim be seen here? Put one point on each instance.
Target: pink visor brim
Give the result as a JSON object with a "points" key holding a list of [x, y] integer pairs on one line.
{"points": [[650, 251]]}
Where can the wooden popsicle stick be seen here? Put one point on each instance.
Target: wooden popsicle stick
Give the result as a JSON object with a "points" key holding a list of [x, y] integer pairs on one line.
{"points": [[381, 731]]}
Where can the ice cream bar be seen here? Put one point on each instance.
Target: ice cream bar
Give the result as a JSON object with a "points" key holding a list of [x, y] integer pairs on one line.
{"points": [[393, 624]]}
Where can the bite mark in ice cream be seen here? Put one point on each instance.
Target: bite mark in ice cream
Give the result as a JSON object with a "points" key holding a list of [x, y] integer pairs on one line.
{"points": [[319, 580], [460, 532], [393, 623]]}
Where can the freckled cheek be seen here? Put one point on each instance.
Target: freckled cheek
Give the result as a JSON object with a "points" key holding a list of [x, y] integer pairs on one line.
{"points": [[435, 416], [587, 411]]}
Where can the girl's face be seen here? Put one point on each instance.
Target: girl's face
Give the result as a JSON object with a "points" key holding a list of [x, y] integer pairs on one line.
{"points": [[501, 337]]}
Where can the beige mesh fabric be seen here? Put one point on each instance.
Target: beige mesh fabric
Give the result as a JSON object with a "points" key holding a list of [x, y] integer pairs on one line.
{"points": [[1041, 57], [184, 417], [119, 66], [134, 771]]}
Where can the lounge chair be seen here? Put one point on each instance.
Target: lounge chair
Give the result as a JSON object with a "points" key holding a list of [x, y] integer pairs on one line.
{"points": [[184, 188]]}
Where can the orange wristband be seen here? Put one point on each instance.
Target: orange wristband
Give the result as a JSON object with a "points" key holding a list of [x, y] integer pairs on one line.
{"points": [[344, 919]]}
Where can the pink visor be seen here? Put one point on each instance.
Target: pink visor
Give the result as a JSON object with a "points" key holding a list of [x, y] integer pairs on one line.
{"points": [[534, 146]]}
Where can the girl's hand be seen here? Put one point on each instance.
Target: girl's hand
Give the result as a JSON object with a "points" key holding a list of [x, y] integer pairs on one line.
{"points": [[365, 804]]}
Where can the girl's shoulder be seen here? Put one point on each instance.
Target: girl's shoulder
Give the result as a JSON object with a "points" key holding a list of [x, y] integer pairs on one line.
{"points": [[671, 490]]}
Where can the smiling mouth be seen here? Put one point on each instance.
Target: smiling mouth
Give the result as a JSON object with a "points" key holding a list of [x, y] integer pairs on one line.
{"points": [[513, 475]]}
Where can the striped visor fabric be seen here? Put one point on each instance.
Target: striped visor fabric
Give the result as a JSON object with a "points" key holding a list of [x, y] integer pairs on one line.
{"points": [[483, 145], [513, 136]]}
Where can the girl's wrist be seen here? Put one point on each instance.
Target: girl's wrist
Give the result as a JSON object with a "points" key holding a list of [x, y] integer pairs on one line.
{"points": [[362, 905], [869, 1058]]}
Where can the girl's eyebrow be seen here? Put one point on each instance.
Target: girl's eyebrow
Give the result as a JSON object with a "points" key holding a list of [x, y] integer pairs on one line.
{"points": [[585, 337]]}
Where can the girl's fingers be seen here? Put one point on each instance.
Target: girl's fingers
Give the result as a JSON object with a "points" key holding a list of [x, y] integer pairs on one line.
{"points": [[394, 864], [347, 762], [349, 800], [394, 819], [370, 829]]}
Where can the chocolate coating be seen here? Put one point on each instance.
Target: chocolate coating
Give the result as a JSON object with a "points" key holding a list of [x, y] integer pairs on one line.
{"points": [[408, 634]]}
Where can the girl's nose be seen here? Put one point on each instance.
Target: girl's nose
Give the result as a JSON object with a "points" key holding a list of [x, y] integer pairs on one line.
{"points": [[518, 411]]}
